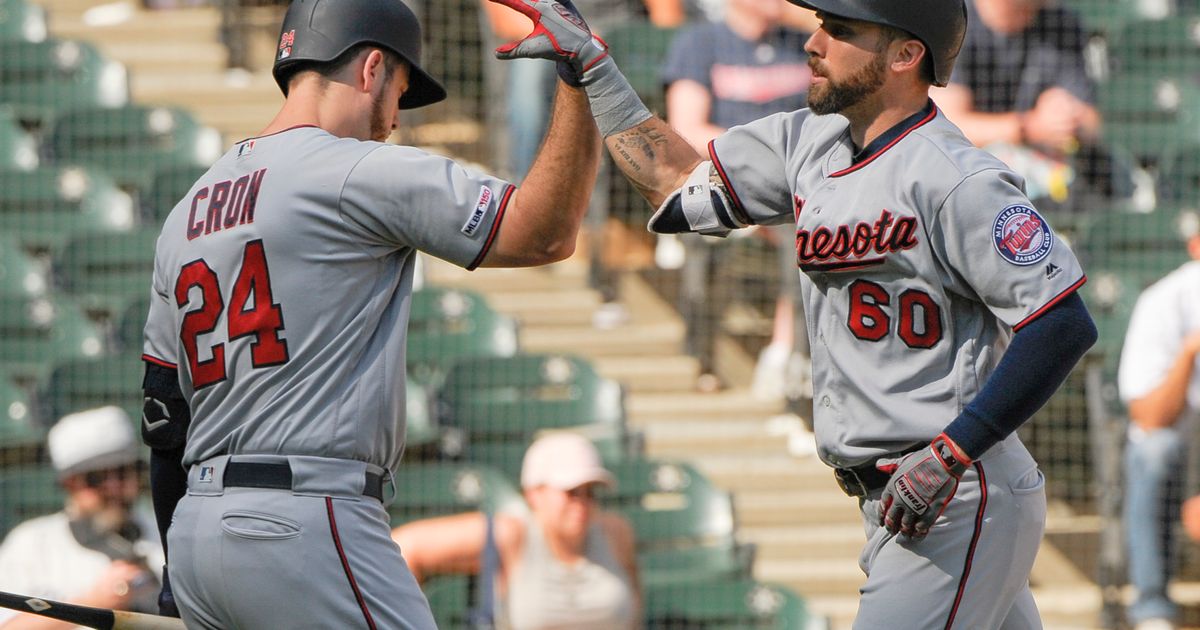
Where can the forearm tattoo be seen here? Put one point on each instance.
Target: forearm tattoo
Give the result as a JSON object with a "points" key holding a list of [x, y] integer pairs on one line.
{"points": [[638, 152]]}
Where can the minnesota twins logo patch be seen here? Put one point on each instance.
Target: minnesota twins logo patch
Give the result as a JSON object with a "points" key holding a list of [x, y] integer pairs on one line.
{"points": [[1021, 235]]}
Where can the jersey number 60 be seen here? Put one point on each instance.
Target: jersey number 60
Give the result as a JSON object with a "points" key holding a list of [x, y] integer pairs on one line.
{"points": [[869, 321], [259, 317]]}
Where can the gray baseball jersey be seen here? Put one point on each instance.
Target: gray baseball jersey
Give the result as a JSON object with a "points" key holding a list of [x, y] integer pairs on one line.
{"points": [[920, 256], [282, 286]]}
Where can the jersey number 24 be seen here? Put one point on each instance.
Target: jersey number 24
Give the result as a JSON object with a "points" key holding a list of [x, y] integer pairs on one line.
{"points": [[259, 317]]}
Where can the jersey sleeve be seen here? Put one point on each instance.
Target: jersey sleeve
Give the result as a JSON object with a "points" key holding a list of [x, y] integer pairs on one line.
{"points": [[404, 197], [159, 335], [995, 246], [752, 163]]}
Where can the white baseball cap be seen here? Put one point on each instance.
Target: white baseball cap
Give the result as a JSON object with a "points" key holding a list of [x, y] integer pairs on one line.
{"points": [[95, 439], [565, 461]]}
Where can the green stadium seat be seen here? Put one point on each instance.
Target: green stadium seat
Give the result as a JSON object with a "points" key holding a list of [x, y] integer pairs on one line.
{"points": [[105, 273], [429, 489], [18, 426], [449, 325], [421, 428], [36, 333], [46, 207], [131, 324], [20, 274], [40, 80], [640, 48], [1155, 46], [131, 143], [1149, 113], [18, 148], [169, 186], [728, 604], [27, 492], [22, 21], [86, 384], [1150, 244], [1179, 175], [450, 598]]}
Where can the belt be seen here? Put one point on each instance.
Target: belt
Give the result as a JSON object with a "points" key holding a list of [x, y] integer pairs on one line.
{"points": [[864, 479], [279, 477]]}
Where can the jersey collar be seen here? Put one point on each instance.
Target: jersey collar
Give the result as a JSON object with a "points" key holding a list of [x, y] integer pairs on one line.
{"points": [[889, 138]]}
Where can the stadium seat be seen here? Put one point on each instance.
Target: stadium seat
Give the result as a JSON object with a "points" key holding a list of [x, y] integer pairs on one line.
{"points": [[104, 273], [1146, 244], [1150, 46], [727, 604], [20, 274], [22, 21], [450, 598], [429, 489], [131, 142], [18, 427], [40, 80], [1148, 114], [1179, 175], [85, 384], [421, 426], [130, 325], [169, 186], [640, 48], [18, 148], [27, 492], [35, 333], [46, 207], [448, 325]]}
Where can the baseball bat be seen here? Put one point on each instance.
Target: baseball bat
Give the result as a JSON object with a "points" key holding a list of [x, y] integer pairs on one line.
{"points": [[100, 618]]}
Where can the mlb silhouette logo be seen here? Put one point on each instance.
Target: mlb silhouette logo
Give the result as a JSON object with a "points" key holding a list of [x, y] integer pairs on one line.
{"points": [[207, 473]]}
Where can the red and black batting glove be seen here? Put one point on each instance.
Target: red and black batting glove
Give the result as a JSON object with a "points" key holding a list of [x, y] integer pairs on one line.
{"points": [[920, 487], [559, 34]]}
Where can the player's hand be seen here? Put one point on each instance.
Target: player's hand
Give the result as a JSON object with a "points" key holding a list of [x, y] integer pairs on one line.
{"points": [[115, 588], [921, 486], [559, 34]]}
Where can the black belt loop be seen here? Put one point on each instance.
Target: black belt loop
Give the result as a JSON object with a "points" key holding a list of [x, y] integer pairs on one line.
{"points": [[279, 477], [864, 479]]}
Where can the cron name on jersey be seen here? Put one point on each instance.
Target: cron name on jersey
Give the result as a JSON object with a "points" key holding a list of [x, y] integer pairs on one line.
{"points": [[1021, 235], [847, 246], [225, 204]]}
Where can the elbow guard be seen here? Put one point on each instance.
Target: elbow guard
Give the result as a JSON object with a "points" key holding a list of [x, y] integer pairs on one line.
{"points": [[165, 413], [702, 205]]}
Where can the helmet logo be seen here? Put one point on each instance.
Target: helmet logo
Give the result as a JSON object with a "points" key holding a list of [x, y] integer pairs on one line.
{"points": [[286, 41]]}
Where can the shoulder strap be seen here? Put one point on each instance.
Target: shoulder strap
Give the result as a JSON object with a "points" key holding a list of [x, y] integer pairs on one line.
{"points": [[482, 613]]}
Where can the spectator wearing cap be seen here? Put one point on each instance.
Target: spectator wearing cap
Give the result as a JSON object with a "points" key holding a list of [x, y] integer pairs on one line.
{"points": [[99, 550], [563, 563], [1159, 382]]}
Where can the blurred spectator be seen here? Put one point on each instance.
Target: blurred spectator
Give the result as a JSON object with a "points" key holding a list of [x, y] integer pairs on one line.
{"points": [[1159, 382], [1191, 518], [99, 550], [749, 65], [563, 564], [1021, 90]]}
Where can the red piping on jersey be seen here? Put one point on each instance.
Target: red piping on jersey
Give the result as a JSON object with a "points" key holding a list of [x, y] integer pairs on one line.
{"points": [[737, 202], [275, 133], [157, 361], [487, 245], [1058, 298], [846, 171], [846, 265], [962, 582], [337, 542]]}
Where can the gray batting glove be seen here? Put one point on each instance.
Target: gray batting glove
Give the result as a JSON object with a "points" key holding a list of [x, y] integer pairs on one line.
{"points": [[559, 34], [921, 486]]}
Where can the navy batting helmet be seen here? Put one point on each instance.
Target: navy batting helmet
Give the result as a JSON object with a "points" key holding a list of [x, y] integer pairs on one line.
{"points": [[322, 30], [940, 24]]}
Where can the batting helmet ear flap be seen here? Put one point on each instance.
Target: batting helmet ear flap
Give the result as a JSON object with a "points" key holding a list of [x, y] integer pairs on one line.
{"points": [[322, 30]]}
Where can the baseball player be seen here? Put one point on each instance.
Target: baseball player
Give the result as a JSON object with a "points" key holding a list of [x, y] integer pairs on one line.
{"points": [[275, 341], [943, 311]]}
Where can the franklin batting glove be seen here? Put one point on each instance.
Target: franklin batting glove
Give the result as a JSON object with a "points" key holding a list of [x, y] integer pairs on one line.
{"points": [[920, 487]]}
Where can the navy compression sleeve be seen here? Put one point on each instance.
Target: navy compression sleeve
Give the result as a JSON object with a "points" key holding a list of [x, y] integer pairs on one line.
{"points": [[1031, 370]]}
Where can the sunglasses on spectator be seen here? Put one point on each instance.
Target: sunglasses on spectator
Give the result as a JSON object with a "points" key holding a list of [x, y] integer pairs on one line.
{"points": [[586, 492], [97, 478]]}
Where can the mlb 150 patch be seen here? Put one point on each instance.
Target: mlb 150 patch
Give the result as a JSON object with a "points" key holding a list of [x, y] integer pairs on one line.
{"points": [[1021, 235]]}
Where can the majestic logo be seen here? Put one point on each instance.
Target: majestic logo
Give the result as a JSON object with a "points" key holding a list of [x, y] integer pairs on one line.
{"points": [[848, 246], [1052, 271], [286, 41], [1021, 235]]}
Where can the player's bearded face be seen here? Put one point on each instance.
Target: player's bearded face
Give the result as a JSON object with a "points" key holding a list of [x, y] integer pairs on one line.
{"points": [[836, 95], [381, 124]]}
